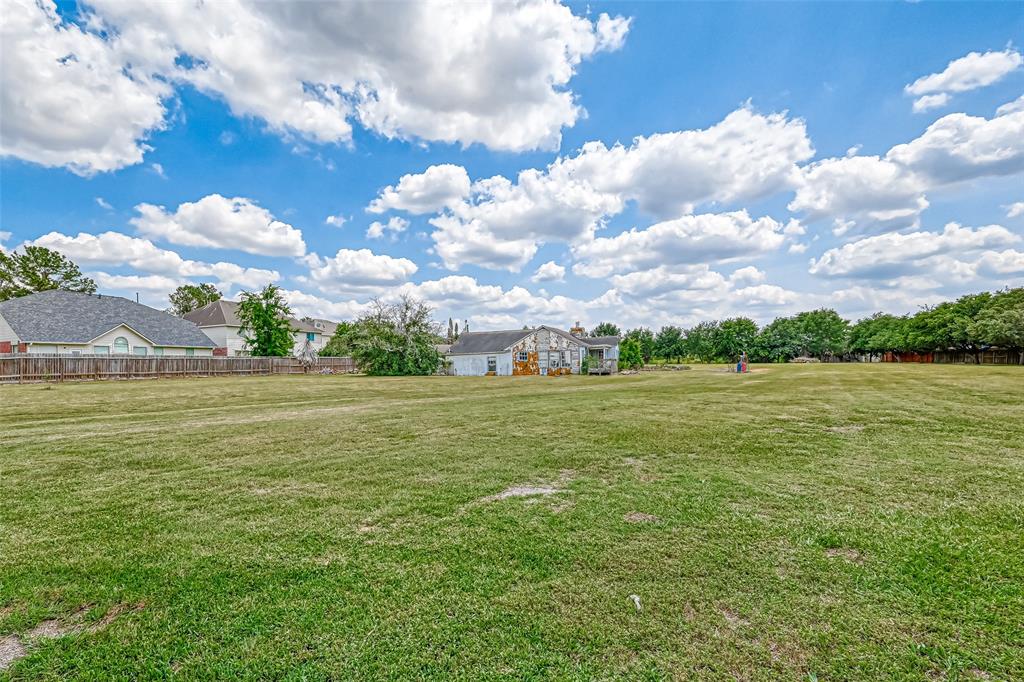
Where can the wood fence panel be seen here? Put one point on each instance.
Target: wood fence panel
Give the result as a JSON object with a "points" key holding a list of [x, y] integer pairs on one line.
{"points": [[37, 368]]}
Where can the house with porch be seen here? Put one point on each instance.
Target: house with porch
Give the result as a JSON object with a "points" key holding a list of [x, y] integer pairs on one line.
{"points": [[71, 323], [219, 320], [543, 350]]}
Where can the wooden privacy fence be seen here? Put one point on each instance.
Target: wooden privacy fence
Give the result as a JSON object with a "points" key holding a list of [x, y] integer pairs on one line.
{"points": [[997, 356], [33, 368]]}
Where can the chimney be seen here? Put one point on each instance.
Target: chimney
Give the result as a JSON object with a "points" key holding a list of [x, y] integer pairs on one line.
{"points": [[578, 331]]}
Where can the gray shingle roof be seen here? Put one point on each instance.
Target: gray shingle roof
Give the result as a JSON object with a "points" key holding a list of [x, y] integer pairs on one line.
{"points": [[68, 317], [601, 340], [487, 342], [225, 313], [496, 342], [215, 314]]}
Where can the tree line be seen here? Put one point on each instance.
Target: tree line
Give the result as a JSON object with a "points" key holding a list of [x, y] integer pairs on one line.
{"points": [[970, 324], [399, 338]]}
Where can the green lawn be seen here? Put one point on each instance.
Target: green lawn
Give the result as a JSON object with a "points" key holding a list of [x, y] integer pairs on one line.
{"points": [[826, 522]]}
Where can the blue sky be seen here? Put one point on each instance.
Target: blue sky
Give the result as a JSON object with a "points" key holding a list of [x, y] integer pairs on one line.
{"points": [[772, 158]]}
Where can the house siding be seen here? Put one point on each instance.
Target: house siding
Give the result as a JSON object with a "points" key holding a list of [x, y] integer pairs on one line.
{"points": [[538, 346], [6, 333], [475, 365], [226, 336], [107, 339]]}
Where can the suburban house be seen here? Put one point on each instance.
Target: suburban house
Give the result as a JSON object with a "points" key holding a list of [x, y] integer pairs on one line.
{"points": [[542, 350], [66, 322], [219, 320]]}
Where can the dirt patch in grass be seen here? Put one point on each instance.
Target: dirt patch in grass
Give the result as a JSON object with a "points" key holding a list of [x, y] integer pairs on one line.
{"points": [[849, 428], [848, 553], [640, 517], [733, 619], [553, 488], [13, 647]]}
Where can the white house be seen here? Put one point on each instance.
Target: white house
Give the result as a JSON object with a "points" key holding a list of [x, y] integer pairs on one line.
{"points": [[540, 351], [219, 320], [71, 323]]}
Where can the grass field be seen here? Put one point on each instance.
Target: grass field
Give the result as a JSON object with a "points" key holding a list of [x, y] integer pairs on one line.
{"points": [[825, 522]]}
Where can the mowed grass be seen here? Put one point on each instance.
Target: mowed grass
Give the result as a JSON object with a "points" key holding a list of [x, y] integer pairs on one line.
{"points": [[826, 522]]}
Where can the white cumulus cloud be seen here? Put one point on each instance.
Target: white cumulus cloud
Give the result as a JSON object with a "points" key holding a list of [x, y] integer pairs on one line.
{"points": [[393, 227], [71, 97], [116, 249], [688, 240], [502, 223], [426, 192], [359, 271], [894, 255], [549, 272], [973, 71], [489, 73], [873, 194], [218, 222]]}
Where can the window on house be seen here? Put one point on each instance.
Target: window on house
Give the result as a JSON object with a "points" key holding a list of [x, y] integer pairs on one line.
{"points": [[522, 356], [158, 352], [310, 336], [492, 364], [189, 352], [101, 350], [553, 360], [139, 350], [121, 345]]}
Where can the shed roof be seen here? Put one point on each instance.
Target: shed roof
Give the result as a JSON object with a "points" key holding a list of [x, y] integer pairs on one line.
{"points": [[69, 317]]}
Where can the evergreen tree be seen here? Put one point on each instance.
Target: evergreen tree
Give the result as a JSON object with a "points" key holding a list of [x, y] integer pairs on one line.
{"points": [[36, 269]]}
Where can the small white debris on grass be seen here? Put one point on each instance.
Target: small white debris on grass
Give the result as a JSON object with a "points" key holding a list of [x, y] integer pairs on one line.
{"points": [[636, 601]]}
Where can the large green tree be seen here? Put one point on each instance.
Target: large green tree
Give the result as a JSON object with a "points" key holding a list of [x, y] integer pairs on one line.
{"points": [[878, 334], [732, 337], [669, 343], [644, 337], [949, 326], [189, 297], [340, 344], [606, 329], [265, 322], [777, 342], [822, 333], [631, 356], [397, 339], [37, 268], [1001, 322], [700, 341]]}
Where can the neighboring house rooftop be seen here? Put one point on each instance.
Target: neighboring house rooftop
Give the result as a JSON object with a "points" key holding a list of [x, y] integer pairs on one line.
{"points": [[327, 327], [225, 314], [68, 317]]}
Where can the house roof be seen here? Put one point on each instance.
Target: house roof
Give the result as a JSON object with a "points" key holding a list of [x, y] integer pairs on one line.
{"points": [[225, 313], [327, 327], [487, 342], [601, 340], [68, 317], [216, 314], [497, 342]]}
